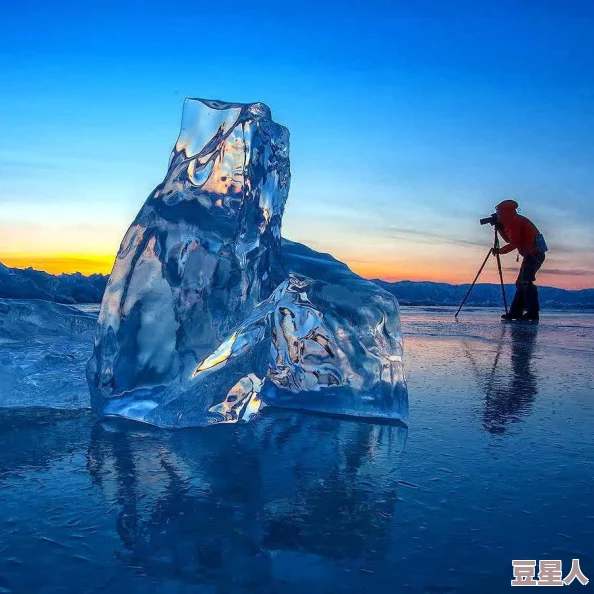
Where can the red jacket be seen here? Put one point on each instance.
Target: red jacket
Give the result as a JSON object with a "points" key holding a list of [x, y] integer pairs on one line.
{"points": [[519, 233]]}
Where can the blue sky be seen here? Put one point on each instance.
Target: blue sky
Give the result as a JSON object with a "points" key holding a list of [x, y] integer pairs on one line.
{"points": [[408, 122]]}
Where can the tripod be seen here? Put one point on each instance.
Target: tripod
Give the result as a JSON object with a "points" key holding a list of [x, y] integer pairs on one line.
{"points": [[493, 250]]}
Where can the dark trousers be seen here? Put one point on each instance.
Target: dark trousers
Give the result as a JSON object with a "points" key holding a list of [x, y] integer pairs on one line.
{"points": [[526, 297]]}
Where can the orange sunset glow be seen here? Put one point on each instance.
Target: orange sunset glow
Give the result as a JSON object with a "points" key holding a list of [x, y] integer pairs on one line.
{"points": [[68, 263], [389, 269]]}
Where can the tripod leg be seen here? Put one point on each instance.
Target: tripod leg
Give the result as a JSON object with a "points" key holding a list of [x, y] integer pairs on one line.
{"points": [[474, 281], [501, 280]]}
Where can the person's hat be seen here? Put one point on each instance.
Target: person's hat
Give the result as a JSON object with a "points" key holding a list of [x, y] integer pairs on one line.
{"points": [[507, 205]]}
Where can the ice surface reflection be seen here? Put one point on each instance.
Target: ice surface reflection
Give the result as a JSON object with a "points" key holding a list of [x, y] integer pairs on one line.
{"points": [[235, 506], [510, 384]]}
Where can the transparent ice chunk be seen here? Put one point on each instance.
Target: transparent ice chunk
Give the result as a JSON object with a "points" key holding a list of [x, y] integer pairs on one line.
{"points": [[202, 322]]}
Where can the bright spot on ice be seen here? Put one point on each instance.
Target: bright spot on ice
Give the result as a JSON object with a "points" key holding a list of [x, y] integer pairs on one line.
{"points": [[220, 355]]}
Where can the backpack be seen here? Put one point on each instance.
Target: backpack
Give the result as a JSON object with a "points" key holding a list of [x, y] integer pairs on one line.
{"points": [[540, 243]]}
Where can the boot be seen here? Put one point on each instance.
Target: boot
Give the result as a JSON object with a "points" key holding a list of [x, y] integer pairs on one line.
{"points": [[508, 317], [532, 305], [530, 317], [517, 307]]}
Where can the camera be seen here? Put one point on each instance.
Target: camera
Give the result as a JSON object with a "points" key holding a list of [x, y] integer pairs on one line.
{"points": [[491, 220]]}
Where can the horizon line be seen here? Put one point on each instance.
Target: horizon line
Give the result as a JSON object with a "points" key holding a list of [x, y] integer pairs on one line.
{"points": [[95, 259]]}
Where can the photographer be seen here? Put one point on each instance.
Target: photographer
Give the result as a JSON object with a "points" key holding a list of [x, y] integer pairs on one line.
{"points": [[521, 234]]}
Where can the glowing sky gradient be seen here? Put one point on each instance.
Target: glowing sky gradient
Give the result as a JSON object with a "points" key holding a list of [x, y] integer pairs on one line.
{"points": [[407, 124]]}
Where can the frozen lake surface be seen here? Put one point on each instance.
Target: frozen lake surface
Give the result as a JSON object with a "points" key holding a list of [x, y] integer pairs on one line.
{"points": [[497, 463]]}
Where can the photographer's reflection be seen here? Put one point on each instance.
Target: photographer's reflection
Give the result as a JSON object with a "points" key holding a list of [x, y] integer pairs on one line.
{"points": [[510, 395], [226, 505], [510, 385]]}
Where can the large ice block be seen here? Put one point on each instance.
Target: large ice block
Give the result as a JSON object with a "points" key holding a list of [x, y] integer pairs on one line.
{"points": [[201, 321]]}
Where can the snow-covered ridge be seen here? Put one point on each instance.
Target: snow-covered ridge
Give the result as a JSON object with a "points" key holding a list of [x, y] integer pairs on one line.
{"points": [[482, 295], [18, 283]]}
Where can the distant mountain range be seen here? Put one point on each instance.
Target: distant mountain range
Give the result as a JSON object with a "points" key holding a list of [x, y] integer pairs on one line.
{"points": [[27, 283], [77, 288], [482, 295]]}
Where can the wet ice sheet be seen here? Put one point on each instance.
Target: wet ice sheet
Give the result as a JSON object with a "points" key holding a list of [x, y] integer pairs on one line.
{"points": [[484, 474]]}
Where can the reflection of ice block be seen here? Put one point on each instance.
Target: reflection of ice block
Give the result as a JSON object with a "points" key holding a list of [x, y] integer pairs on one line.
{"points": [[201, 323], [252, 500]]}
